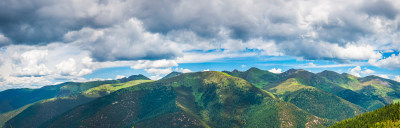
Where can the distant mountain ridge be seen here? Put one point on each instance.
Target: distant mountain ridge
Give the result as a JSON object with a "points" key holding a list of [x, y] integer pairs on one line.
{"points": [[203, 99], [252, 98], [172, 74]]}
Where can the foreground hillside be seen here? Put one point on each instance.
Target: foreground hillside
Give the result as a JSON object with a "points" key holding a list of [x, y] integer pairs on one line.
{"points": [[386, 117], [15, 98], [65, 97]]}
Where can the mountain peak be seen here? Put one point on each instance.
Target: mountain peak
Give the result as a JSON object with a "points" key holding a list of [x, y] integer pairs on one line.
{"points": [[133, 77], [288, 72], [329, 73], [253, 69], [172, 74], [136, 77]]}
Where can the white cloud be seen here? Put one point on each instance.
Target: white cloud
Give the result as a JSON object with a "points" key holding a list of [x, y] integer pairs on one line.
{"points": [[312, 65], [243, 65], [397, 78], [24, 82], [367, 72], [120, 76], [155, 77], [144, 64], [67, 67], [196, 57], [384, 76], [81, 79], [206, 70], [158, 71], [391, 62], [274, 70], [183, 70], [36, 66], [355, 71], [155, 66], [32, 63], [325, 50]]}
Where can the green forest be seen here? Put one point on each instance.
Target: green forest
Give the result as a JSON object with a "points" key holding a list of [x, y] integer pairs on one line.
{"points": [[385, 117]]}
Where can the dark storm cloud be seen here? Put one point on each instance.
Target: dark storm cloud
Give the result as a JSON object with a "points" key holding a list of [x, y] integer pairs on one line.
{"points": [[380, 8], [45, 21]]}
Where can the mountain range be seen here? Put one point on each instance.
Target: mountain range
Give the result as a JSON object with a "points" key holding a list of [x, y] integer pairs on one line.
{"points": [[252, 98]]}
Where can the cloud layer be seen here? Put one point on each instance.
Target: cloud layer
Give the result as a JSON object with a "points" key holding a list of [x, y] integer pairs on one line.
{"points": [[148, 29]]}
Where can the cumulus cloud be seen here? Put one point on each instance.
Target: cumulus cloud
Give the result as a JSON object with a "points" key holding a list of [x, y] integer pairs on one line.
{"points": [[275, 70], [312, 65], [391, 62], [155, 66], [356, 71], [158, 71], [144, 64], [120, 76], [155, 77], [328, 51], [367, 72], [183, 70], [28, 66], [397, 78], [384, 76]]}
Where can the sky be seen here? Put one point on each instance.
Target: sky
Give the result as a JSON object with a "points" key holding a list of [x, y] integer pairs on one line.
{"points": [[45, 42]]}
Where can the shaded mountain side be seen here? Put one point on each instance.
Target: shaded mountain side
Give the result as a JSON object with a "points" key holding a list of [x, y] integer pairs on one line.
{"points": [[385, 117], [45, 110], [203, 99], [323, 104], [4, 117], [384, 90], [316, 101], [40, 112], [15, 98], [320, 82], [277, 113], [172, 74]]}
